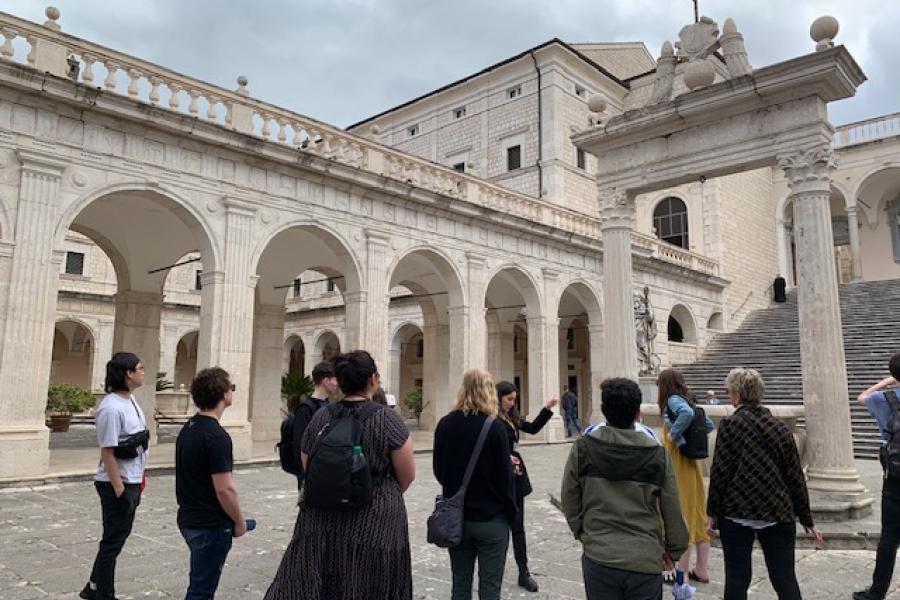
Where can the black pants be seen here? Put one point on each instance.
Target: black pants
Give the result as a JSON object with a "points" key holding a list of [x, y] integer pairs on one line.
{"points": [[118, 517], [777, 543], [887, 546], [517, 528], [606, 583], [485, 542]]}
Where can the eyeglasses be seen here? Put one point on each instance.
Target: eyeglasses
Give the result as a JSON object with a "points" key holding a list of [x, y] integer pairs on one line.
{"points": [[233, 387]]}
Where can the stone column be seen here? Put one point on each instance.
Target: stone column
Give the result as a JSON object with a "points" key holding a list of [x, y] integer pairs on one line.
{"points": [[855, 258], [30, 311], [226, 319], [355, 313], [395, 363], [542, 352], [375, 334], [617, 223], [477, 331], [102, 353], [832, 474], [436, 389], [459, 332], [137, 330], [265, 384], [596, 372]]}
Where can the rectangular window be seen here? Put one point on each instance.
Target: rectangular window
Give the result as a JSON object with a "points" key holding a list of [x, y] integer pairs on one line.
{"points": [[420, 348], [580, 91], [513, 158], [515, 343], [412, 131], [297, 284], [198, 285], [329, 285], [570, 338], [460, 166], [74, 263], [514, 92], [459, 113], [581, 159]]}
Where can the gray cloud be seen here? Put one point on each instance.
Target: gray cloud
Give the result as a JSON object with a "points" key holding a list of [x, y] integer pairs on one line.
{"points": [[343, 60]]}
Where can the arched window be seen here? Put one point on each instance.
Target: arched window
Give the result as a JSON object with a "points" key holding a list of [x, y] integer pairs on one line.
{"points": [[676, 333], [670, 219]]}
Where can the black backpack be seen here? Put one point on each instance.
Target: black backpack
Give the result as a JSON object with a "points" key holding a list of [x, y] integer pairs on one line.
{"points": [[889, 454], [696, 445], [288, 448], [338, 476]]}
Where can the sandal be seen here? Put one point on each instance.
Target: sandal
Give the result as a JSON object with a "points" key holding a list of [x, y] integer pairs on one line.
{"points": [[694, 577], [669, 577]]}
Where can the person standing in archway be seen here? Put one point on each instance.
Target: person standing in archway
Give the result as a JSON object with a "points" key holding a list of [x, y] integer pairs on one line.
{"points": [[570, 411], [124, 439], [506, 395], [779, 287]]}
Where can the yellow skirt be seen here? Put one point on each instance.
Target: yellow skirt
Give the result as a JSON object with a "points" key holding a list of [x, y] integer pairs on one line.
{"points": [[691, 493]]}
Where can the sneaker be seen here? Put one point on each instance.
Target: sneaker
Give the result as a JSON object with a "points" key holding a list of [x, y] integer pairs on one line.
{"points": [[87, 593], [527, 581], [866, 595]]}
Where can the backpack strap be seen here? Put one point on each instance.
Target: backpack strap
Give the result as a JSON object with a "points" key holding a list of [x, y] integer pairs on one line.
{"points": [[891, 397], [470, 468]]}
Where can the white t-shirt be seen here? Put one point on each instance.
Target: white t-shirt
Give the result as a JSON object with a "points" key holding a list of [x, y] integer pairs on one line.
{"points": [[391, 400], [116, 418]]}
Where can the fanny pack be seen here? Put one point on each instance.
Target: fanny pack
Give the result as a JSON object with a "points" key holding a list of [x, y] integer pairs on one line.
{"points": [[128, 448]]}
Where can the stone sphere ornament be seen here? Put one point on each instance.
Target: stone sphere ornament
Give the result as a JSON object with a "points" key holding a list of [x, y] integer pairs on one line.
{"points": [[52, 14], [823, 31], [597, 103], [699, 73]]}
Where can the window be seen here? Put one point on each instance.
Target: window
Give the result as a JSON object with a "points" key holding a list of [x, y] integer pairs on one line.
{"points": [[514, 92], [893, 216], [513, 158], [580, 91], [297, 284], [418, 383], [515, 343], [329, 285], [420, 348], [460, 166], [670, 219], [676, 333], [570, 339], [580, 159], [412, 131], [459, 113], [198, 285], [74, 263]]}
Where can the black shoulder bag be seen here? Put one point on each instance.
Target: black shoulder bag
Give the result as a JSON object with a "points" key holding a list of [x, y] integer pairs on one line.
{"points": [[445, 524], [128, 448]]}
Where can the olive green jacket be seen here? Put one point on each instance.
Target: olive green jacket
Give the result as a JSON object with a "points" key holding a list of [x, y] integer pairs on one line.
{"points": [[620, 497]]}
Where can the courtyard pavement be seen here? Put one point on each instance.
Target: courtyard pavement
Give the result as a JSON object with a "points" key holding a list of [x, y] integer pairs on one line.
{"points": [[49, 536]]}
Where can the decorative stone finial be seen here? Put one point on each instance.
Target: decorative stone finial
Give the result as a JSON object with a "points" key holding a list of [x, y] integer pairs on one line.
{"points": [[729, 26], [597, 104], [667, 49], [242, 82], [52, 16], [823, 31], [733, 50], [699, 73]]}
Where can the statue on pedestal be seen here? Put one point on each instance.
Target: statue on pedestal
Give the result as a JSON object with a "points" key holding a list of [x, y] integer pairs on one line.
{"points": [[645, 334]]}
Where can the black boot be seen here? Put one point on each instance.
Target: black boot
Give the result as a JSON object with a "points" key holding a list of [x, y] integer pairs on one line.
{"points": [[527, 581]]}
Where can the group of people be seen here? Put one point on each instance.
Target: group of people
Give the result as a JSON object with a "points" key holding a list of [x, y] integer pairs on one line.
{"points": [[635, 501]]}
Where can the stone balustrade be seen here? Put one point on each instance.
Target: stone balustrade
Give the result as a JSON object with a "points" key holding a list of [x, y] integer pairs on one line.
{"points": [[90, 64], [869, 130]]}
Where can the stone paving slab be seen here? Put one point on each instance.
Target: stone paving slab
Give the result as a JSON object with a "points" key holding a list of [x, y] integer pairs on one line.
{"points": [[49, 536]]}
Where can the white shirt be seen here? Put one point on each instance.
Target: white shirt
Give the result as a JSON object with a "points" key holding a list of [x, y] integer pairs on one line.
{"points": [[638, 426], [391, 400], [117, 418]]}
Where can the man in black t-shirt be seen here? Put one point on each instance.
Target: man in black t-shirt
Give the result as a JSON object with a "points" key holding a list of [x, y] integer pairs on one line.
{"points": [[326, 385], [209, 514]]}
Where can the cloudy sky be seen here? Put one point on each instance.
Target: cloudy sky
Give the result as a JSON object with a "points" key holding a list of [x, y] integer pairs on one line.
{"points": [[344, 60]]}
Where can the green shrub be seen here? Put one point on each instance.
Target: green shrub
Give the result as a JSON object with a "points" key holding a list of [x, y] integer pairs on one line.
{"points": [[65, 398], [414, 401], [162, 383], [295, 388]]}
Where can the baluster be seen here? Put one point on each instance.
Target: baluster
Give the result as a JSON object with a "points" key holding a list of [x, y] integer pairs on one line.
{"points": [[87, 74], [212, 113], [32, 42], [266, 130], [193, 107], [228, 113], [154, 90], [112, 69], [174, 100], [282, 132], [134, 76], [7, 51]]}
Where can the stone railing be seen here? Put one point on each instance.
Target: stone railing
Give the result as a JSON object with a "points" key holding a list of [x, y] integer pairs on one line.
{"points": [[867, 131], [47, 49], [675, 255]]}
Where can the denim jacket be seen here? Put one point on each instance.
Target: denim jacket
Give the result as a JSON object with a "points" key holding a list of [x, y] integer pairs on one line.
{"points": [[684, 414]]}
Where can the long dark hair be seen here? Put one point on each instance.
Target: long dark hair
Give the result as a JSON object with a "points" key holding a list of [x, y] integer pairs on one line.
{"points": [[117, 371], [505, 388], [671, 383]]}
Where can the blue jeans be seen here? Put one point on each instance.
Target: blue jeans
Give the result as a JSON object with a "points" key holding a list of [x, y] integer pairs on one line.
{"points": [[209, 547], [571, 421]]}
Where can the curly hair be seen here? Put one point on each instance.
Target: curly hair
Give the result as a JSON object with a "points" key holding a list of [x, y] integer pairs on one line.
{"points": [[209, 387], [620, 401]]}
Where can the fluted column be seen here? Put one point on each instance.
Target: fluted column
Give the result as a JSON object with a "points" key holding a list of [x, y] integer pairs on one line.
{"points": [[102, 353], [436, 394], [226, 319], [265, 384], [28, 329], [855, 258], [829, 448], [459, 332], [137, 330], [617, 223], [375, 333], [596, 372], [555, 353], [541, 352], [477, 332]]}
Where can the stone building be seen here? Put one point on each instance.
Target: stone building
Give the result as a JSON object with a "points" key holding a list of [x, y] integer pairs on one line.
{"points": [[457, 230]]}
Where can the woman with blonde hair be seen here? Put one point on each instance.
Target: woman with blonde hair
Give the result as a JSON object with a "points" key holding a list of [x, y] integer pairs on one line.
{"points": [[490, 501]]}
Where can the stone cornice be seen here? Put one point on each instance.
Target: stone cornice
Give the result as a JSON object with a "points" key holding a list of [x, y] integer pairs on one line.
{"points": [[40, 162]]}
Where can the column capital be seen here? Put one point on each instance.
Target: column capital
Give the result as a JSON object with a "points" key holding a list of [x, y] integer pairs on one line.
{"points": [[377, 237], [852, 210], [357, 296], [38, 162], [133, 297], [808, 169], [458, 311], [237, 207], [475, 260], [616, 208]]}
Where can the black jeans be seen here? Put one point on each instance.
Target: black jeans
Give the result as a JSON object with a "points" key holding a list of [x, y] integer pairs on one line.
{"points": [[118, 517], [486, 541], [520, 548], [209, 548], [777, 543], [887, 546], [606, 583]]}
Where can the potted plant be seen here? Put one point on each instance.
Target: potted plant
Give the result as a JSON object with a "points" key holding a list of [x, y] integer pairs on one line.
{"points": [[413, 402], [63, 399]]}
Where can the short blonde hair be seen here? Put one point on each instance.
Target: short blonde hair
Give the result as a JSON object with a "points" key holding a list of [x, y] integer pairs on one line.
{"points": [[747, 384], [476, 394]]}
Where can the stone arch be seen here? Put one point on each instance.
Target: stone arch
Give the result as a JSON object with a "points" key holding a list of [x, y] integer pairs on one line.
{"points": [[671, 220], [681, 319], [294, 355], [523, 280], [443, 265], [70, 363], [868, 186], [326, 346], [716, 322], [580, 359], [186, 358], [407, 368]]}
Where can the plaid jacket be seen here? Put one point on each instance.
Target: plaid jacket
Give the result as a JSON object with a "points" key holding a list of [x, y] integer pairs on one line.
{"points": [[756, 472]]}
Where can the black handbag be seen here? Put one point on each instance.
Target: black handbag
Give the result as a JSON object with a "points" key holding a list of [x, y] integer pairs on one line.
{"points": [[445, 525], [128, 448]]}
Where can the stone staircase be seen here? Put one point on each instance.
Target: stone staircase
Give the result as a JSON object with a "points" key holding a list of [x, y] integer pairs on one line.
{"points": [[768, 340]]}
